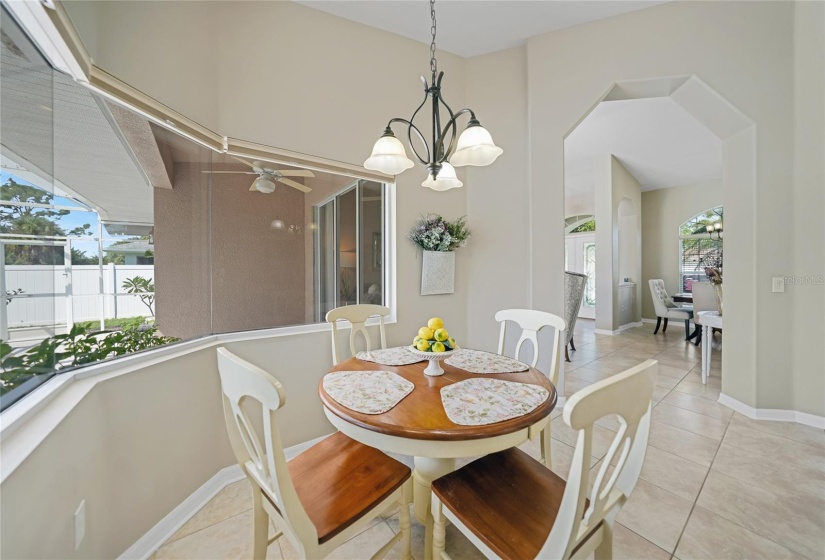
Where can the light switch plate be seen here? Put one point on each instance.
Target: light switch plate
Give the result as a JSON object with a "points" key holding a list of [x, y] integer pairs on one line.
{"points": [[778, 284]]}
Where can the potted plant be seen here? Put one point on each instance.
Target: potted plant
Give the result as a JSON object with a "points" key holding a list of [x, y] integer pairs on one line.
{"points": [[715, 277], [438, 239]]}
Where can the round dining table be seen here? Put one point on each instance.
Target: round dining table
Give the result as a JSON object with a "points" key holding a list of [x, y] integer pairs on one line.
{"points": [[418, 426]]}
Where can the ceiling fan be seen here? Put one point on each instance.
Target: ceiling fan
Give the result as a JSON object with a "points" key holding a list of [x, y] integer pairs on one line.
{"points": [[267, 176]]}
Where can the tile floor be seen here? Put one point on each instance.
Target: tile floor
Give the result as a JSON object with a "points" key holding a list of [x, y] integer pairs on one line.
{"points": [[715, 484]]}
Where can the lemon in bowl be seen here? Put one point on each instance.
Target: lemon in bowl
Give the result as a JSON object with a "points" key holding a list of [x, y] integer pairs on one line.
{"points": [[426, 333], [435, 323], [441, 335], [423, 345]]}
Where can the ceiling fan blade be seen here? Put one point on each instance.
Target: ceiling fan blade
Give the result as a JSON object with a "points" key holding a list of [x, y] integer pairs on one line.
{"points": [[294, 184], [242, 172], [296, 172]]}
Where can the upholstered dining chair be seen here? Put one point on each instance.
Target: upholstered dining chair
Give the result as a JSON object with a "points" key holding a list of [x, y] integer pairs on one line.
{"points": [[666, 309], [324, 496], [574, 283], [531, 322], [486, 499], [704, 299], [357, 316]]}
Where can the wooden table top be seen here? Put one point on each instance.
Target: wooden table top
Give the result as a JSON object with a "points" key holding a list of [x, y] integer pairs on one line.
{"points": [[421, 415]]}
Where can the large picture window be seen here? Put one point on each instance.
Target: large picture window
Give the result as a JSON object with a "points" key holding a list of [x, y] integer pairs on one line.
{"points": [[119, 235], [698, 248]]}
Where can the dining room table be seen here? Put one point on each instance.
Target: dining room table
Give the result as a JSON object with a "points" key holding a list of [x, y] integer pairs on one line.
{"points": [[419, 426]]}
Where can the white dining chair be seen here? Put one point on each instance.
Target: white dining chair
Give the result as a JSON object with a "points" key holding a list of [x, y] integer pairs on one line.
{"points": [[357, 316], [511, 507], [704, 299], [324, 496], [531, 322], [666, 309]]}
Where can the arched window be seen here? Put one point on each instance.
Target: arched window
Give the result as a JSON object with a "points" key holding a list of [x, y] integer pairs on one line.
{"points": [[700, 247]]}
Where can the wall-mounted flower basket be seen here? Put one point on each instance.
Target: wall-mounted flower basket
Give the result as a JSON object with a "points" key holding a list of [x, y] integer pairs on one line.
{"points": [[438, 273], [439, 239]]}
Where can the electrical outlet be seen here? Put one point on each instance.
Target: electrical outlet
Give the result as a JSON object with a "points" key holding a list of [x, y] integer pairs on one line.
{"points": [[79, 524], [778, 284]]}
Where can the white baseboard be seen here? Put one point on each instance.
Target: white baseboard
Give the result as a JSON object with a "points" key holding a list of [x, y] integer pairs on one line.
{"points": [[653, 321], [619, 330], [146, 545], [773, 414]]}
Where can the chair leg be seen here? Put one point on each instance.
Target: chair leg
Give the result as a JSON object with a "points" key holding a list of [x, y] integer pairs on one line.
{"points": [[261, 527], [687, 329], [572, 346], [605, 549], [658, 324], [404, 523], [546, 447], [439, 529], [664, 327], [698, 338], [566, 354]]}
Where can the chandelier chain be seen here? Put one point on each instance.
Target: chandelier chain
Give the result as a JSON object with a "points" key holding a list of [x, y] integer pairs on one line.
{"points": [[433, 61]]}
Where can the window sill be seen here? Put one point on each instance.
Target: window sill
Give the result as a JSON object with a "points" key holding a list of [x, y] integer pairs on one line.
{"points": [[32, 406]]}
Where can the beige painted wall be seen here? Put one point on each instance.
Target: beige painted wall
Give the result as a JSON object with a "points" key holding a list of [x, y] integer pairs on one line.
{"points": [[498, 195], [613, 184], [808, 300], [663, 211], [744, 51]]}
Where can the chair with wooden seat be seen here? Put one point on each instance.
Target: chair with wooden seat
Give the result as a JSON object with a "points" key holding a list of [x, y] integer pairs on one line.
{"points": [[531, 322], [357, 316], [509, 506], [324, 496]]}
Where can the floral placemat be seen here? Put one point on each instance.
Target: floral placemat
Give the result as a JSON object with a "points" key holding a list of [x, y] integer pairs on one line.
{"points": [[475, 402], [398, 356], [368, 392], [477, 361]]}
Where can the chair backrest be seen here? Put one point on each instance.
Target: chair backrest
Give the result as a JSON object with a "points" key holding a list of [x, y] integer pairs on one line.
{"points": [[261, 455], [661, 301], [704, 299], [627, 395], [574, 283], [357, 316], [531, 322]]}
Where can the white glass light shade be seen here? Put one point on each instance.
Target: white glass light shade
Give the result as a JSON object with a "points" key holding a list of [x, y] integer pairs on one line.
{"points": [[264, 185], [388, 156], [475, 147], [445, 181]]}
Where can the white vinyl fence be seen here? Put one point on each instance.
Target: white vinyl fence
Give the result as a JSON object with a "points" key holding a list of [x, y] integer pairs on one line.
{"points": [[88, 304]]}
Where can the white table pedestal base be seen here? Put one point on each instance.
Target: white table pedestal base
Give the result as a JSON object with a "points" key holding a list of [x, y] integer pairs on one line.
{"points": [[426, 470]]}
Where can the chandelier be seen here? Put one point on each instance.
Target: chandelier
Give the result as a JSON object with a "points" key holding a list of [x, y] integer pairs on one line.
{"points": [[474, 147]]}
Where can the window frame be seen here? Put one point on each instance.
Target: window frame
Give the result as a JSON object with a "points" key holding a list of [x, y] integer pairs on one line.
{"points": [[694, 220]]}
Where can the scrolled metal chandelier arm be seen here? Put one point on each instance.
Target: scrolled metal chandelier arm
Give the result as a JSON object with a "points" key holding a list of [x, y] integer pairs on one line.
{"points": [[473, 147]]}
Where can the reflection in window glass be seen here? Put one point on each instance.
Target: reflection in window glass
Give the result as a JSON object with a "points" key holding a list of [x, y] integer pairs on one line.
{"points": [[349, 241]]}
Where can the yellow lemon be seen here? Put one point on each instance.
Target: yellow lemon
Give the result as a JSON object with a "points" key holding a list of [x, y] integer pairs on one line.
{"points": [[415, 340], [451, 342], [425, 332], [423, 345], [441, 335], [438, 347], [435, 323]]}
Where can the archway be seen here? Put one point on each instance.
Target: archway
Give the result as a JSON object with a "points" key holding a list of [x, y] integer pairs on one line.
{"points": [[738, 137]]}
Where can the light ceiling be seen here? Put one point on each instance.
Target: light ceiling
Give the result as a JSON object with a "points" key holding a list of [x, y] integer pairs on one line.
{"points": [[473, 27], [656, 140]]}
